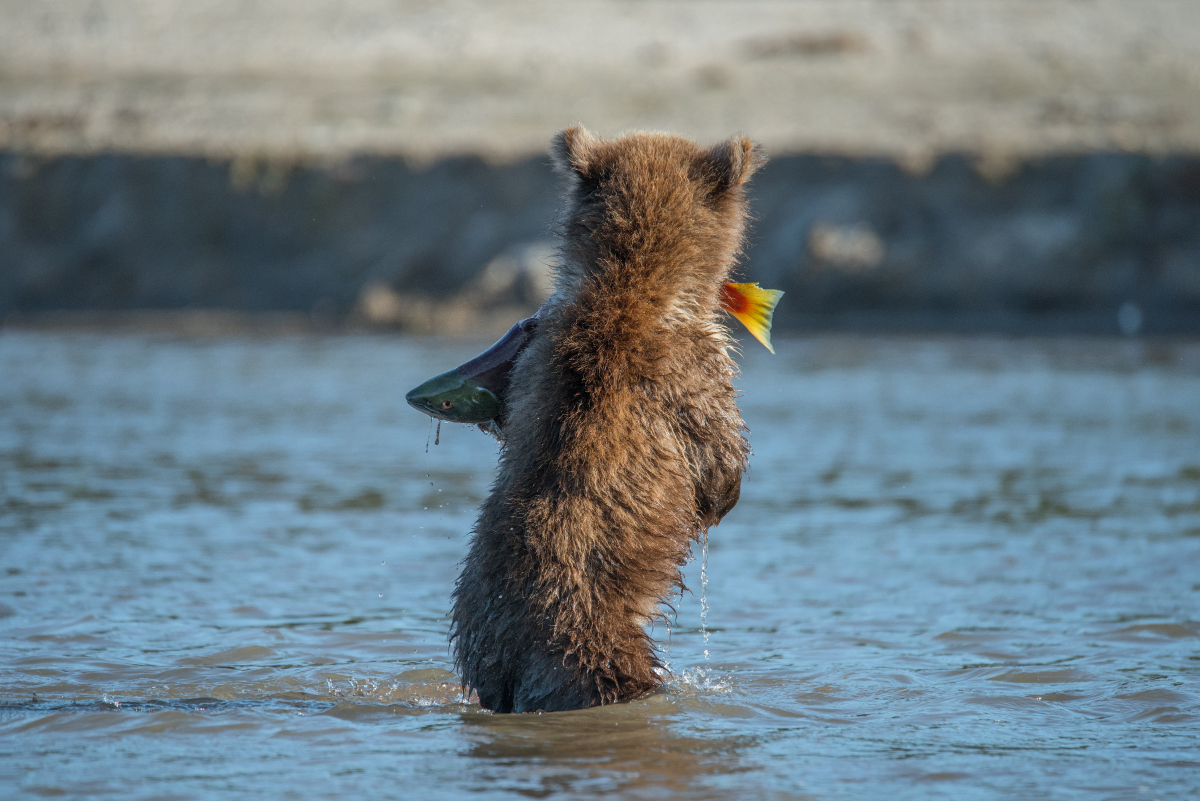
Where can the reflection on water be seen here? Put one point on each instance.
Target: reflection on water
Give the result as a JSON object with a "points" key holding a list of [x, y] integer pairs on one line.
{"points": [[959, 569]]}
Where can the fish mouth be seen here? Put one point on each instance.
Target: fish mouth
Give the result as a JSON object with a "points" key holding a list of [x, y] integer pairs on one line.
{"points": [[474, 391]]}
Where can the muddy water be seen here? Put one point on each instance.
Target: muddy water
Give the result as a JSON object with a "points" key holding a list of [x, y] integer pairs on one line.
{"points": [[959, 569]]}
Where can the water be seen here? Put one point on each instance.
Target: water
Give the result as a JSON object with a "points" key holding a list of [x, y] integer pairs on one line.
{"points": [[704, 592], [959, 569]]}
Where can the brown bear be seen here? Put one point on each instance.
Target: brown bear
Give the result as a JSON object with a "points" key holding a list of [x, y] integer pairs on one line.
{"points": [[623, 440]]}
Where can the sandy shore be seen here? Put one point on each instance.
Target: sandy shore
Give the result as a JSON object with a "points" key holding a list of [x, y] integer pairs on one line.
{"points": [[319, 79]]}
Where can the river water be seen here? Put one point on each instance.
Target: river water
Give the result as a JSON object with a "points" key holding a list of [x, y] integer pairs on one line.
{"points": [[960, 568]]}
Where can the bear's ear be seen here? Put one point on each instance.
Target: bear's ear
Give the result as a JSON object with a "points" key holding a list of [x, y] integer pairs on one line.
{"points": [[572, 149], [732, 162]]}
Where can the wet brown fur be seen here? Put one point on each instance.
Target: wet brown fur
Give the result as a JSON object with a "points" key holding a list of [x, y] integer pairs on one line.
{"points": [[623, 441]]}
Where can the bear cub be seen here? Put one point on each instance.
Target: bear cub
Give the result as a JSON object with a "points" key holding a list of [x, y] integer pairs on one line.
{"points": [[623, 440]]}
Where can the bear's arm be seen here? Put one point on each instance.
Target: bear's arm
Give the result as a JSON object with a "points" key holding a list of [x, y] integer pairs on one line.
{"points": [[718, 492]]}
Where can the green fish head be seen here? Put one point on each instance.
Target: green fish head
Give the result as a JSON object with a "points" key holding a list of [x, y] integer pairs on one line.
{"points": [[455, 397]]}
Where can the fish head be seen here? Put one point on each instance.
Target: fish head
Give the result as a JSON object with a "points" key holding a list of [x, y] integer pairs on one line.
{"points": [[474, 391], [456, 397]]}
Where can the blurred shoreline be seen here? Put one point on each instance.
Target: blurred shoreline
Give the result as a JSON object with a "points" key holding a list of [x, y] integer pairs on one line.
{"points": [[1097, 243], [317, 81], [938, 165], [226, 323]]}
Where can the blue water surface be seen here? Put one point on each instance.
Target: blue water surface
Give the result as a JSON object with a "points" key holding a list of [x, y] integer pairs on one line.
{"points": [[960, 568]]}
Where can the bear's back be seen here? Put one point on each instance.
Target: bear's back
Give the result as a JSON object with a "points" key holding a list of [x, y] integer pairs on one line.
{"points": [[623, 441]]}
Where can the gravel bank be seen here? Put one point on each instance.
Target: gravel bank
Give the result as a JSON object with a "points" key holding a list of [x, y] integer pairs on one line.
{"points": [[320, 79]]}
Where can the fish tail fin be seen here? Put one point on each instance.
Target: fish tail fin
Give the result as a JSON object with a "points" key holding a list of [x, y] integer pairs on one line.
{"points": [[753, 306]]}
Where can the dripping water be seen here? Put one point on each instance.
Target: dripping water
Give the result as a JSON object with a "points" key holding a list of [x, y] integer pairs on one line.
{"points": [[429, 435], [667, 647], [704, 592], [437, 438], [666, 652]]}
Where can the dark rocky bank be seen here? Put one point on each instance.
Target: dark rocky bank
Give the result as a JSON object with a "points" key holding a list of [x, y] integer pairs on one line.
{"points": [[1090, 244]]}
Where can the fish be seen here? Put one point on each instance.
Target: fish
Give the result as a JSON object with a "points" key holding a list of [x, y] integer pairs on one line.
{"points": [[474, 391], [754, 307]]}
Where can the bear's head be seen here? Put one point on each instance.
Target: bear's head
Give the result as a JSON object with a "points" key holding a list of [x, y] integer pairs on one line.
{"points": [[660, 203]]}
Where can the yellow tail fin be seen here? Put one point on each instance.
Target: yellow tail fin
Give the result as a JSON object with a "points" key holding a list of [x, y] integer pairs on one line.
{"points": [[753, 306]]}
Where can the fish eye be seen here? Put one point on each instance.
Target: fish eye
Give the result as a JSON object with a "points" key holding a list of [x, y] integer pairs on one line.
{"points": [[446, 404]]}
